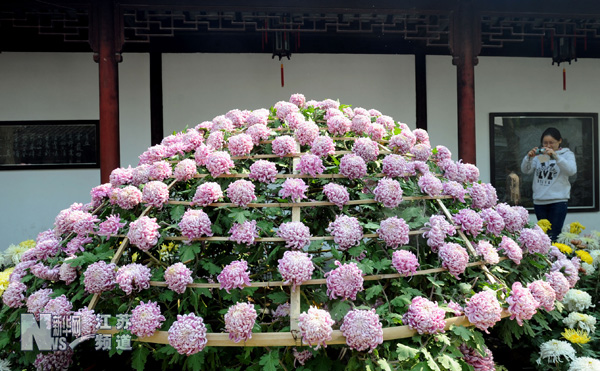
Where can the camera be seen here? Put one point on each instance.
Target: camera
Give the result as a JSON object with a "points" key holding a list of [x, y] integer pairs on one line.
{"points": [[540, 151]]}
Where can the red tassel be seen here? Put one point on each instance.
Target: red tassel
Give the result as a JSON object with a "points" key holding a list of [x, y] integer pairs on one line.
{"points": [[282, 81], [564, 79]]}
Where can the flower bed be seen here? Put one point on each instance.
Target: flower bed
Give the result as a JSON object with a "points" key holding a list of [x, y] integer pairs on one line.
{"points": [[314, 234]]}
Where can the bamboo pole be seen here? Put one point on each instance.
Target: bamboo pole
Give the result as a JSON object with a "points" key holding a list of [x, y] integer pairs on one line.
{"points": [[295, 293]]}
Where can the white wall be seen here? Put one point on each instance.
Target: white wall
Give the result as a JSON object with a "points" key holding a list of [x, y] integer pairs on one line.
{"points": [[50, 86]]}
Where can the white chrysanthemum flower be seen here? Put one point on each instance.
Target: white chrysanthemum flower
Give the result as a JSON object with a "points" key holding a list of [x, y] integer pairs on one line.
{"points": [[590, 242], [12, 255], [553, 350], [595, 254], [585, 322], [577, 300], [4, 363], [566, 237], [590, 269], [585, 364]]}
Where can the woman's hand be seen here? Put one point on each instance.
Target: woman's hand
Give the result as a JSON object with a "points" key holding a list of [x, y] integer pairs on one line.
{"points": [[550, 152], [531, 153]]}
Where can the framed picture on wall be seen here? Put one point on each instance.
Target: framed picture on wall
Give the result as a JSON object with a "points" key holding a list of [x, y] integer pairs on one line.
{"points": [[52, 144], [512, 135]]}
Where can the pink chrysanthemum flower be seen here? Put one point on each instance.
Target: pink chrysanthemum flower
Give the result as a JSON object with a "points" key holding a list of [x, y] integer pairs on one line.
{"points": [[489, 253], [177, 277], [394, 231], [366, 148], [259, 116], [346, 231], [127, 198], [37, 301], [47, 245], [353, 166], [67, 273], [100, 277], [13, 296], [472, 173], [222, 123], [421, 135], [153, 154], [455, 190], [293, 188], [421, 151], [403, 142], [568, 268], [469, 221], [146, 319], [345, 281], [283, 310], [58, 360], [329, 103], [99, 193], [160, 170], [337, 194], [441, 153], [77, 244], [436, 230], [202, 153], [424, 316], [315, 327], [285, 108], [207, 193], [89, 321], [405, 262], [240, 144], [195, 224], [420, 167], [523, 213], [298, 100], [244, 233], [295, 267], [511, 217], [219, 163], [155, 194], [45, 273], [296, 235], [374, 113], [394, 165], [559, 284], [492, 196], [535, 240], [543, 292], [456, 308], [20, 270], [264, 171], [234, 275], [239, 321], [132, 277], [310, 165], [362, 330], [483, 310], [430, 184], [237, 117], [511, 249], [141, 174], [338, 125], [386, 121], [258, 132], [360, 123], [361, 111], [144, 233], [284, 145], [388, 192], [185, 170], [59, 306], [454, 258], [376, 131], [306, 133], [121, 176], [188, 334], [191, 139], [241, 192], [111, 226], [494, 222], [323, 146], [521, 304], [475, 359]]}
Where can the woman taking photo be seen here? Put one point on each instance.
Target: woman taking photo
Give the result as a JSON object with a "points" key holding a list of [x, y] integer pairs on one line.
{"points": [[552, 166]]}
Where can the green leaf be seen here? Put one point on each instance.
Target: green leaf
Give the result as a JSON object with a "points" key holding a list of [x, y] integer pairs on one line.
{"points": [[356, 250], [430, 361], [384, 365], [401, 301], [406, 352], [194, 362], [166, 296], [421, 366], [210, 267], [366, 266], [139, 357], [177, 212], [373, 291], [371, 225], [339, 310], [239, 215], [382, 264], [278, 297], [270, 361], [449, 363], [462, 331], [189, 252]]}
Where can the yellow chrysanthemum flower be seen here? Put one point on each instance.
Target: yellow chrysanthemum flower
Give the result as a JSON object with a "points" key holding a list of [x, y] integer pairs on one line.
{"points": [[565, 249], [544, 224], [134, 257], [4, 279], [584, 256], [576, 227], [576, 336], [165, 250], [29, 244]]}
